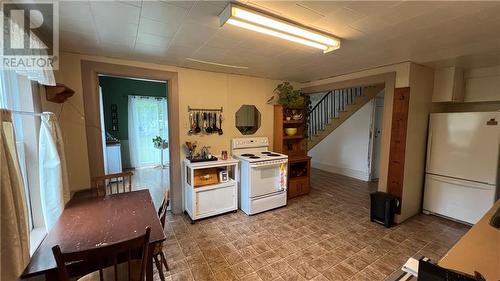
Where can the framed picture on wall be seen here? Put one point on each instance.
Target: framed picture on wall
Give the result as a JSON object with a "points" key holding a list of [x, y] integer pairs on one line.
{"points": [[114, 108]]}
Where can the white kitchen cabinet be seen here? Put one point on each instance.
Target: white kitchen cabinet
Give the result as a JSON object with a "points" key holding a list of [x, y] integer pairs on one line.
{"points": [[448, 85], [113, 158], [210, 200]]}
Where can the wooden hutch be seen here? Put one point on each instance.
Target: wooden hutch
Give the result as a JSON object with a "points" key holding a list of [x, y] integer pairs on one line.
{"points": [[295, 146]]}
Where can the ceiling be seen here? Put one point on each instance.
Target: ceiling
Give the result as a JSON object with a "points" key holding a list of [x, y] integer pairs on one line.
{"points": [[373, 34]]}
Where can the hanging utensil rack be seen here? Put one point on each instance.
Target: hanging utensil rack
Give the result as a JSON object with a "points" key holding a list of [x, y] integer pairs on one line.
{"points": [[205, 109]]}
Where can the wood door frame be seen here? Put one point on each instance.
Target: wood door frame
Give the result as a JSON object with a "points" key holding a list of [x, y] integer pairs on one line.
{"points": [[371, 162], [90, 83], [389, 81]]}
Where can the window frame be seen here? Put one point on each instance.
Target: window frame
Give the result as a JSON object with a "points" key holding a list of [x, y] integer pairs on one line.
{"points": [[28, 99]]}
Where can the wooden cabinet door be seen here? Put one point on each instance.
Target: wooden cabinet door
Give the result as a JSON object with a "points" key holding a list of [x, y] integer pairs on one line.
{"points": [[399, 126], [293, 189]]}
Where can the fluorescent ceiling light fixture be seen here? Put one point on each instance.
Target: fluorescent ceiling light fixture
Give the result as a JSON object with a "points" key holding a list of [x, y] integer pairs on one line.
{"points": [[260, 22], [217, 64]]}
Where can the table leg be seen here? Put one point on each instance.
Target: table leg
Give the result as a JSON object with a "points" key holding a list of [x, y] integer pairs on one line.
{"points": [[149, 264]]}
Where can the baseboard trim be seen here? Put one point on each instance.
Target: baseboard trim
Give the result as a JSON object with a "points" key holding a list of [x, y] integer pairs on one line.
{"points": [[360, 175]]}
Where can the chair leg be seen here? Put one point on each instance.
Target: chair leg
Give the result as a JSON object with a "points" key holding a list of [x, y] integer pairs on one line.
{"points": [[164, 260], [159, 267]]}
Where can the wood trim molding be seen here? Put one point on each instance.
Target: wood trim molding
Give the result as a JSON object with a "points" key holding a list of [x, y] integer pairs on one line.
{"points": [[90, 83], [384, 78]]}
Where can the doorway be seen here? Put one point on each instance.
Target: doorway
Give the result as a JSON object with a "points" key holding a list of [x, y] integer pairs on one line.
{"points": [[376, 135], [134, 118]]}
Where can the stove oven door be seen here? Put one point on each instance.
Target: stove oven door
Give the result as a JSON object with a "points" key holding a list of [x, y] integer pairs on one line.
{"points": [[268, 178]]}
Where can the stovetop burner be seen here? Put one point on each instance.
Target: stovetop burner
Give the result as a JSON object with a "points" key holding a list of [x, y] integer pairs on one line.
{"points": [[254, 157], [247, 155], [273, 154], [266, 152]]}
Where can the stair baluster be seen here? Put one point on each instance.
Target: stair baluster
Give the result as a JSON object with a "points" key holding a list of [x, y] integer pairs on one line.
{"points": [[329, 107]]}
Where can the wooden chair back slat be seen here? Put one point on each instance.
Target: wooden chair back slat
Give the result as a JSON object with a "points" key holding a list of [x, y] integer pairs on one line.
{"points": [[110, 184], [162, 211], [103, 257]]}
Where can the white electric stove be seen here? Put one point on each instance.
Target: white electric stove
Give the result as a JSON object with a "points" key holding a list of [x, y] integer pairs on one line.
{"points": [[263, 175]]}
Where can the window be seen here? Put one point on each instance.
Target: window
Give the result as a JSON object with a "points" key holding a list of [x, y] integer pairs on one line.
{"points": [[148, 118], [16, 94]]}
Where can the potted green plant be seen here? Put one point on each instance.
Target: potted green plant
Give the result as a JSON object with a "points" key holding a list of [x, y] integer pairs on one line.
{"points": [[288, 96], [290, 99], [160, 143]]}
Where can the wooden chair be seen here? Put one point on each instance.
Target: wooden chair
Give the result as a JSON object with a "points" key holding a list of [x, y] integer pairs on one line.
{"points": [[113, 183], [158, 255], [84, 262]]}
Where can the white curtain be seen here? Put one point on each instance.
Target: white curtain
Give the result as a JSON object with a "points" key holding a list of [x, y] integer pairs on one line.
{"points": [[147, 118], [13, 207], [44, 76], [54, 188]]}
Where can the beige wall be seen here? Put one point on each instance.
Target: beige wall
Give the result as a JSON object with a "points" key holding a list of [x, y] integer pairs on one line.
{"points": [[196, 89], [421, 88]]}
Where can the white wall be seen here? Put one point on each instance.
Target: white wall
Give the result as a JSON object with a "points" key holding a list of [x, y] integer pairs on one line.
{"points": [[346, 150]]}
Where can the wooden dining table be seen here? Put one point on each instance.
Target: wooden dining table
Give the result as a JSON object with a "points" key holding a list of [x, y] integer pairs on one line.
{"points": [[91, 222]]}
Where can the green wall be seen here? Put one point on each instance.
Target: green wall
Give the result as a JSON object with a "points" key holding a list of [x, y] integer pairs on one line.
{"points": [[116, 90]]}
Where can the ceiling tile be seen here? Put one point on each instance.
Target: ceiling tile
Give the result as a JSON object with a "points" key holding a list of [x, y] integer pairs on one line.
{"points": [[163, 12], [372, 33], [290, 10], [107, 28], [153, 40], [205, 13], [76, 25], [145, 49], [370, 25], [77, 10], [322, 7], [180, 51], [219, 4], [370, 8], [183, 4], [219, 40], [210, 54], [82, 39], [193, 34], [103, 9], [135, 3], [158, 28]]}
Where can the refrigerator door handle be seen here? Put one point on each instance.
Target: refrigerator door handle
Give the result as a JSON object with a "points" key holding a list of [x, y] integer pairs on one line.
{"points": [[460, 182]]}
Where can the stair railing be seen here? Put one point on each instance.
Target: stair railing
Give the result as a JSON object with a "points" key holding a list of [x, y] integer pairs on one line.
{"points": [[330, 106]]}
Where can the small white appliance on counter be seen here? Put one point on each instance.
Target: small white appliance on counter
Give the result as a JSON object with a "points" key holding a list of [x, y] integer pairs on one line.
{"points": [[263, 175], [461, 180]]}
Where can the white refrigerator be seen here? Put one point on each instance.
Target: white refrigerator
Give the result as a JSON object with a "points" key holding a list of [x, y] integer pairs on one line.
{"points": [[461, 180]]}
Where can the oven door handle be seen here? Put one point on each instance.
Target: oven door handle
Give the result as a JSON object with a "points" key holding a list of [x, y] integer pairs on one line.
{"points": [[267, 165]]}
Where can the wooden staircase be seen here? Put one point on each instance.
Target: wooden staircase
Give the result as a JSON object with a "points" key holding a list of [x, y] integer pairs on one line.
{"points": [[334, 108]]}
